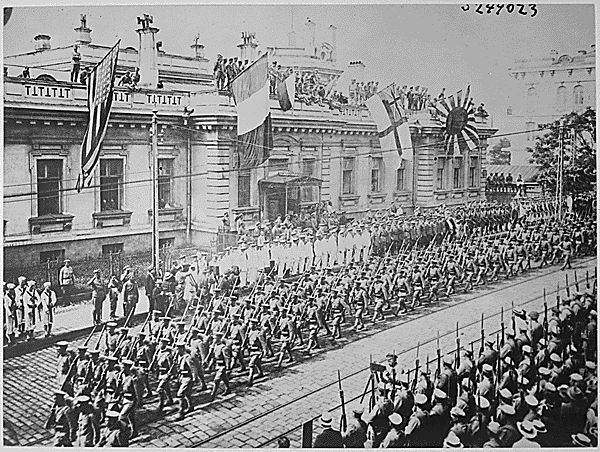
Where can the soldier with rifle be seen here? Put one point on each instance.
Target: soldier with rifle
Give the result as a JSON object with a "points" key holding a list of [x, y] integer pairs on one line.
{"points": [[186, 373], [164, 365]]}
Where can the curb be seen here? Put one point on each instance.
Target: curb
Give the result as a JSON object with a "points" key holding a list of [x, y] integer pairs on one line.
{"points": [[23, 348]]}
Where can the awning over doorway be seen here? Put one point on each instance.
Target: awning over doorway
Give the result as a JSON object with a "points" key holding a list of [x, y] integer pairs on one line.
{"points": [[291, 180]]}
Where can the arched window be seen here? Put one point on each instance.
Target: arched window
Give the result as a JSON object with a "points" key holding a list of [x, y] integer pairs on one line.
{"points": [[531, 98], [578, 95], [561, 97]]}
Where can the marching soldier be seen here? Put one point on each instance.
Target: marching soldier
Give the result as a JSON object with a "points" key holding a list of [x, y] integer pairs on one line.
{"points": [[187, 377], [63, 368], [130, 397], [256, 354], [112, 383], [381, 296], [142, 364], [164, 365], [114, 434], [221, 357], [285, 337], [196, 352], [359, 299], [82, 377], [88, 430], [61, 419], [337, 310]]}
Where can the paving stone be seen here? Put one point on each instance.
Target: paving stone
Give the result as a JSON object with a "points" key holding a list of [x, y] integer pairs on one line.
{"points": [[32, 376]]}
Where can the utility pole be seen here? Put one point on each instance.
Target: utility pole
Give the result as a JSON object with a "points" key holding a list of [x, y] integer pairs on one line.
{"points": [[155, 221], [188, 227], [559, 171]]}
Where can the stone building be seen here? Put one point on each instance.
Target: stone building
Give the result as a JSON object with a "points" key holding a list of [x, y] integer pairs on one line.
{"points": [[319, 154], [544, 89]]}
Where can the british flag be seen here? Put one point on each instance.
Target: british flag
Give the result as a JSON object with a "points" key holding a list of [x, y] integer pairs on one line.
{"points": [[100, 84]]}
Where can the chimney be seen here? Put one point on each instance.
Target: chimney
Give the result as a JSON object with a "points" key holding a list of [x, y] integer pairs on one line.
{"points": [[311, 28], [84, 32], [42, 42], [593, 47], [333, 41], [553, 54], [147, 63], [292, 39], [198, 48], [356, 70]]}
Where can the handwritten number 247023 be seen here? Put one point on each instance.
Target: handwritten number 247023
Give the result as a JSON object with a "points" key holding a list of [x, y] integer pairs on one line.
{"points": [[519, 8]]}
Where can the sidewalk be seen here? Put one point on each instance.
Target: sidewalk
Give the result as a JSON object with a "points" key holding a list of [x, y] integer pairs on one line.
{"points": [[71, 321]]}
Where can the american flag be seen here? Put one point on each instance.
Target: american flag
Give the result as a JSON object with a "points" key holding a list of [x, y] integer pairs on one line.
{"points": [[101, 82]]}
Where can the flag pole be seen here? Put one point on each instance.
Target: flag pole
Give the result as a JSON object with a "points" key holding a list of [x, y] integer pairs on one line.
{"points": [[155, 230]]}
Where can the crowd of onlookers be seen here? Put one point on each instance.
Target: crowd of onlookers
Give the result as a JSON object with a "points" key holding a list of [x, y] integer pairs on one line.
{"points": [[226, 69], [498, 182], [534, 387], [359, 92]]}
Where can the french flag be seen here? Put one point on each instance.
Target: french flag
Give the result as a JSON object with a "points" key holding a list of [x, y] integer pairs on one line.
{"points": [[251, 94]]}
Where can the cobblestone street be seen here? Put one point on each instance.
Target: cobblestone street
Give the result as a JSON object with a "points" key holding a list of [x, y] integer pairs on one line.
{"points": [[252, 417]]}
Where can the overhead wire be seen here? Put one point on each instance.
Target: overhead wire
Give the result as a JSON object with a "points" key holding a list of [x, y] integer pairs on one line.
{"points": [[434, 145]]}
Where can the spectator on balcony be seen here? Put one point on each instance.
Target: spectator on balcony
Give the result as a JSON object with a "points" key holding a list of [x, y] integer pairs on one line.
{"points": [[226, 224], [135, 79], [442, 95], [126, 80], [520, 185], [273, 79], [219, 72], [76, 59], [481, 111], [236, 66], [230, 71], [501, 182], [509, 181]]}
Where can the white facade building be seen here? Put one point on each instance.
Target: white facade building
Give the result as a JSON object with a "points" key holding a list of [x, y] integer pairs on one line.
{"points": [[543, 90]]}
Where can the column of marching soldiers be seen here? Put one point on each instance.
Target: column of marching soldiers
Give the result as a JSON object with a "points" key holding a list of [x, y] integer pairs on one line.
{"points": [[224, 333], [532, 385]]}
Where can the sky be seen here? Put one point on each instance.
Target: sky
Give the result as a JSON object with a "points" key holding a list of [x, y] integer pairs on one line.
{"points": [[429, 45]]}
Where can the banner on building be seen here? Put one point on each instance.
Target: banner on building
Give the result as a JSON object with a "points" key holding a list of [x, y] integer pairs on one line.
{"points": [[251, 95], [286, 92], [392, 124], [458, 114], [100, 84]]}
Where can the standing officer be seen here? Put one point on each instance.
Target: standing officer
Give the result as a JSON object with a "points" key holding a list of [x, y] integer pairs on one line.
{"points": [[130, 295], [98, 295], [66, 280]]}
